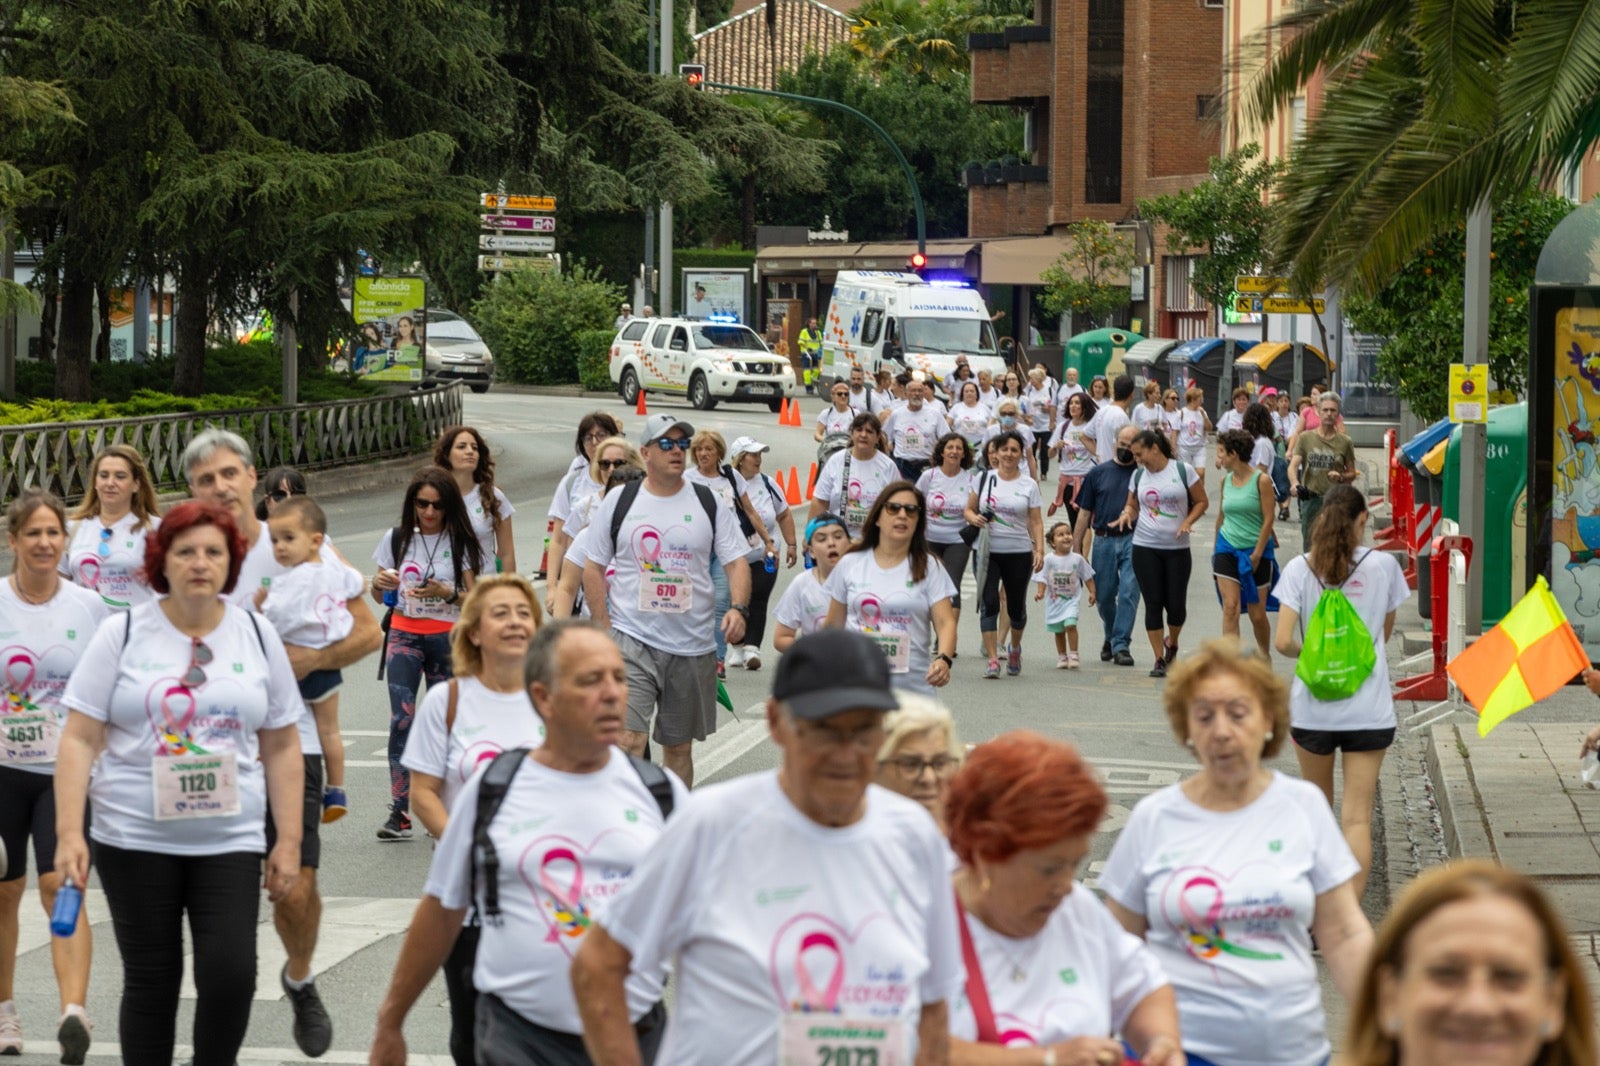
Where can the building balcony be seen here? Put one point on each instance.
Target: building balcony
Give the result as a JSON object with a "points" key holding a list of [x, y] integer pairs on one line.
{"points": [[1013, 66], [1005, 201]]}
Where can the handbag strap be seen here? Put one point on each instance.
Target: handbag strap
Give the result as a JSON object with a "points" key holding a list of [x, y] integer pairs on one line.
{"points": [[977, 990]]}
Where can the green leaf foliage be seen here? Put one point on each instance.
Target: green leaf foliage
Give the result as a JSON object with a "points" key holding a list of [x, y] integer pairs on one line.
{"points": [[1421, 308], [594, 358], [1090, 278], [533, 322]]}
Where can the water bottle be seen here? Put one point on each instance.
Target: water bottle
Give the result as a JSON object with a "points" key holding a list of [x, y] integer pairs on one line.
{"points": [[64, 916], [772, 563], [391, 598]]}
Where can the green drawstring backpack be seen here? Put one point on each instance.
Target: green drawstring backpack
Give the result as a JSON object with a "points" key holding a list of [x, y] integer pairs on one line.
{"points": [[1337, 654]]}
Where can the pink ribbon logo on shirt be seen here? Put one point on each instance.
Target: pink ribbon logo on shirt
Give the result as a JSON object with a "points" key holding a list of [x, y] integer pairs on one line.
{"points": [[177, 708], [411, 575], [552, 868], [1204, 932], [815, 964], [88, 572], [647, 549], [871, 614], [936, 504], [475, 756], [829, 999], [327, 609], [20, 671], [566, 904]]}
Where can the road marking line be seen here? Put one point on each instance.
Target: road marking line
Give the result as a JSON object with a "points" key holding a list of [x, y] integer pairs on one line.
{"points": [[106, 1050], [730, 742]]}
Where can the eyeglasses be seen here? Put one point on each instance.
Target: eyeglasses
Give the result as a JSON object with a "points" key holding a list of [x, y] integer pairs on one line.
{"points": [[612, 464], [279, 495], [911, 767], [199, 657], [428, 505], [596, 438], [909, 509], [826, 737], [104, 550], [666, 444]]}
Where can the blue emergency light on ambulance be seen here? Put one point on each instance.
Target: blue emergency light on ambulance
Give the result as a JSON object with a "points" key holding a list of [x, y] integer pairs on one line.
{"points": [[899, 321]]}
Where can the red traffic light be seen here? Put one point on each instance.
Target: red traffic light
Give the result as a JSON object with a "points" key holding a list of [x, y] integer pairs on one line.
{"points": [[693, 73], [918, 261]]}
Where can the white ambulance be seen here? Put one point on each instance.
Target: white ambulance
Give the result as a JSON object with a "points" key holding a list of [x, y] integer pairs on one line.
{"points": [[885, 318]]}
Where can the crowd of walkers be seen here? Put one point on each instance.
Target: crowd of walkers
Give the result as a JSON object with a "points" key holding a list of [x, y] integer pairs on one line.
{"points": [[888, 894]]}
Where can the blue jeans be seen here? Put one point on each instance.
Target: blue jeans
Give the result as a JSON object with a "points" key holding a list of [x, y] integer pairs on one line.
{"points": [[723, 602], [411, 657], [1115, 588]]}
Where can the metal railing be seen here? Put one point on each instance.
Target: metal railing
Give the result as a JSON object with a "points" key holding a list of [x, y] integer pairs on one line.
{"points": [[57, 455]]}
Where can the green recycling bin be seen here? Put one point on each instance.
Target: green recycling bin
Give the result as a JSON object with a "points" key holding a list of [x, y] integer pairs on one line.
{"points": [[1505, 508], [1099, 352]]}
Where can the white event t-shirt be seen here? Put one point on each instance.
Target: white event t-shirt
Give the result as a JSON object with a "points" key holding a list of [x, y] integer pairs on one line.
{"points": [[833, 420], [1262, 453], [1191, 428], [427, 558], [946, 498], [1232, 418], [574, 484], [259, 570], [1163, 500], [970, 420], [1147, 417], [568, 844], [662, 557], [307, 604], [487, 723], [803, 607], [118, 575], [858, 920], [1040, 402], [894, 609], [483, 524], [912, 433], [1012, 502], [40, 645], [135, 690], [1062, 577], [1374, 588], [768, 502], [1109, 418], [1082, 975], [868, 477], [1230, 897], [1076, 459]]}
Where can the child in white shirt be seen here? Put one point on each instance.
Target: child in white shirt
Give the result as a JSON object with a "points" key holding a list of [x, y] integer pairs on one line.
{"points": [[1063, 575], [805, 602], [307, 606]]}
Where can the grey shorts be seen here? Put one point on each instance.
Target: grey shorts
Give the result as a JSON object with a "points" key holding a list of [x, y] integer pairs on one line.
{"points": [[684, 687]]}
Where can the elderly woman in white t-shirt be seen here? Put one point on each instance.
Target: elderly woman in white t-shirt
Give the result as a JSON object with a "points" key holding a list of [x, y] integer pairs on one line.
{"points": [[1055, 974], [919, 752], [191, 713], [1229, 873], [481, 711]]}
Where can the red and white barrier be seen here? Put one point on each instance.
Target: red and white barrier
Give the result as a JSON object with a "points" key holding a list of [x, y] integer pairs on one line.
{"points": [[1449, 624]]}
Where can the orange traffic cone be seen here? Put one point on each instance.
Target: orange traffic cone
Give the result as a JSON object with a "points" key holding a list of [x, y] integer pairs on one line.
{"points": [[777, 479], [639, 408], [811, 483], [793, 497], [783, 412], [794, 413]]}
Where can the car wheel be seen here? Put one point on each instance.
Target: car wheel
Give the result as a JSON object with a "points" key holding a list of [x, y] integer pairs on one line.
{"points": [[629, 386], [700, 393], [775, 405], [480, 386]]}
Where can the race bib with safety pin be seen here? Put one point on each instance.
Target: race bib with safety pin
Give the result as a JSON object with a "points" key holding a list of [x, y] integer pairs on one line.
{"points": [[813, 1039], [29, 738], [665, 593], [195, 786]]}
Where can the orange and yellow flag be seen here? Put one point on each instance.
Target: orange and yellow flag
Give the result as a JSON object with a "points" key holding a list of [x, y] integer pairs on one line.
{"points": [[1531, 654]]}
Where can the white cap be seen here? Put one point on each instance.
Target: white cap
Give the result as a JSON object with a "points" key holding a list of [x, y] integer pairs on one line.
{"points": [[747, 446]]}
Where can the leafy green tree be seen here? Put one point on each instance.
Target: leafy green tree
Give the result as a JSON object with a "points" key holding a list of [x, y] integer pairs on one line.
{"points": [[925, 38], [1420, 309], [25, 107], [1091, 277], [1227, 216]]}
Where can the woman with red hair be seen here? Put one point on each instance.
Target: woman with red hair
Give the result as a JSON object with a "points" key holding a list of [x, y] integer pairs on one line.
{"points": [[190, 709], [1049, 971]]}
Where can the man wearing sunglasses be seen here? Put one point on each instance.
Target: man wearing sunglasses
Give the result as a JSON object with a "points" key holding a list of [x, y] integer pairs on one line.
{"points": [[659, 535], [220, 470]]}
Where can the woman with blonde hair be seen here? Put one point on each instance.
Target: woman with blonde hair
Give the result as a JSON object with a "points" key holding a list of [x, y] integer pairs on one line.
{"points": [[919, 752], [105, 538], [709, 451], [1472, 964], [481, 711]]}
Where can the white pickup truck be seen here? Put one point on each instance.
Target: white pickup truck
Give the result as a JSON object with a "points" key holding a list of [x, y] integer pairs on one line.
{"points": [[706, 361]]}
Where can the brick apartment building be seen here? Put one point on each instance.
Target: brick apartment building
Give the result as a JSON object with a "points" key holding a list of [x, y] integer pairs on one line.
{"points": [[1119, 100]]}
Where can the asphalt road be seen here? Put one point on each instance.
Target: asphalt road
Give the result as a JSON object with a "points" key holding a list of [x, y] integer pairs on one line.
{"points": [[370, 888]]}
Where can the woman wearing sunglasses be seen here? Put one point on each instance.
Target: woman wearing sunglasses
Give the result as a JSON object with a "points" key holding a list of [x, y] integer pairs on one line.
{"points": [[280, 483], [105, 552], [191, 712], [578, 489], [835, 419], [46, 623], [426, 565], [890, 587]]}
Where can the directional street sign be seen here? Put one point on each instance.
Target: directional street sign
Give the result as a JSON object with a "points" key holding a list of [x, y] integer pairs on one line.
{"points": [[1277, 305], [1256, 283], [542, 264], [515, 242], [507, 202], [529, 223]]}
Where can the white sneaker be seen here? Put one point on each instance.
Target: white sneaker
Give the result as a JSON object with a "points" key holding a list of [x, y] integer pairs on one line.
{"points": [[10, 1029], [752, 657], [735, 657]]}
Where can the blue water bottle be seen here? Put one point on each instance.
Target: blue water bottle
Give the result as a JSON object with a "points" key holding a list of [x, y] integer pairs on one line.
{"points": [[64, 916], [391, 598], [772, 563]]}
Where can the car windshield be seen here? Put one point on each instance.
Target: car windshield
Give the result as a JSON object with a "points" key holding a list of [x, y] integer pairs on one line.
{"points": [[974, 336], [451, 329], [741, 338]]}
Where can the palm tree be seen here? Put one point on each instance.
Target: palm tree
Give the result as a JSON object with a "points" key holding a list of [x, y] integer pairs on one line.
{"points": [[1431, 106], [926, 38]]}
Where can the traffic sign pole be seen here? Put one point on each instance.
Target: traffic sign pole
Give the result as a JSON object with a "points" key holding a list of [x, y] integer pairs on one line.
{"points": [[1475, 436]]}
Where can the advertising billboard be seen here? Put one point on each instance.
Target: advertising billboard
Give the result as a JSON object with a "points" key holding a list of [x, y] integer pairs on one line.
{"points": [[391, 323], [717, 295]]}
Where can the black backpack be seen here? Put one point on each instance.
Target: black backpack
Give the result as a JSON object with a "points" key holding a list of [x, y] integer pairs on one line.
{"points": [[630, 492], [492, 793]]}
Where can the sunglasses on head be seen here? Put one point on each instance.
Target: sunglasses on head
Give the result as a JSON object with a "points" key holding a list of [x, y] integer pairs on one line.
{"points": [[666, 444], [428, 505], [199, 657]]}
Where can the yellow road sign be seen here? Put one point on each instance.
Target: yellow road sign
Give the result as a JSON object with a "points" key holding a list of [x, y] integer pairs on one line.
{"points": [[543, 264], [1257, 283], [506, 202], [1469, 393], [1277, 305]]}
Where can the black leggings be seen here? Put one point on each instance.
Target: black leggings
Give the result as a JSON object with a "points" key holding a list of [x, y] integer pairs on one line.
{"points": [[1041, 451], [1163, 576], [761, 584], [1014, 569], [148, 894], [954, 556], [463, 994], [27, 809]]}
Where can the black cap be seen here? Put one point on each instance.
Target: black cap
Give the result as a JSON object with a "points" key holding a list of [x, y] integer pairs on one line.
{"points": [[832, 671]]}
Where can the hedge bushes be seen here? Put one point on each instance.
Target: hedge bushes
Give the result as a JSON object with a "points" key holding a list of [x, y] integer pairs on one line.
{"points": [[594, 359], [534, 322]]}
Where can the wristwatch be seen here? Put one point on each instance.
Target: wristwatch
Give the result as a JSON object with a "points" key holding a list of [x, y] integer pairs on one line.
{"points": [[948, 660], [742, 608]]}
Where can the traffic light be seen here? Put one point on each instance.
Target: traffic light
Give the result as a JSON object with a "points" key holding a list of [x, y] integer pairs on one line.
{"points": [[693, 73], [918, 262]]}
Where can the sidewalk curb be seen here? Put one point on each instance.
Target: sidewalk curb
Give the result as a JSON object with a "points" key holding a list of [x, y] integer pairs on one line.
{"points": [[1460, 806]]}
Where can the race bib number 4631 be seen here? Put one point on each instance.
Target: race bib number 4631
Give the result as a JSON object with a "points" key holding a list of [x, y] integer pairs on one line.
{"points": [[29, 738], [829, 1040]]}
